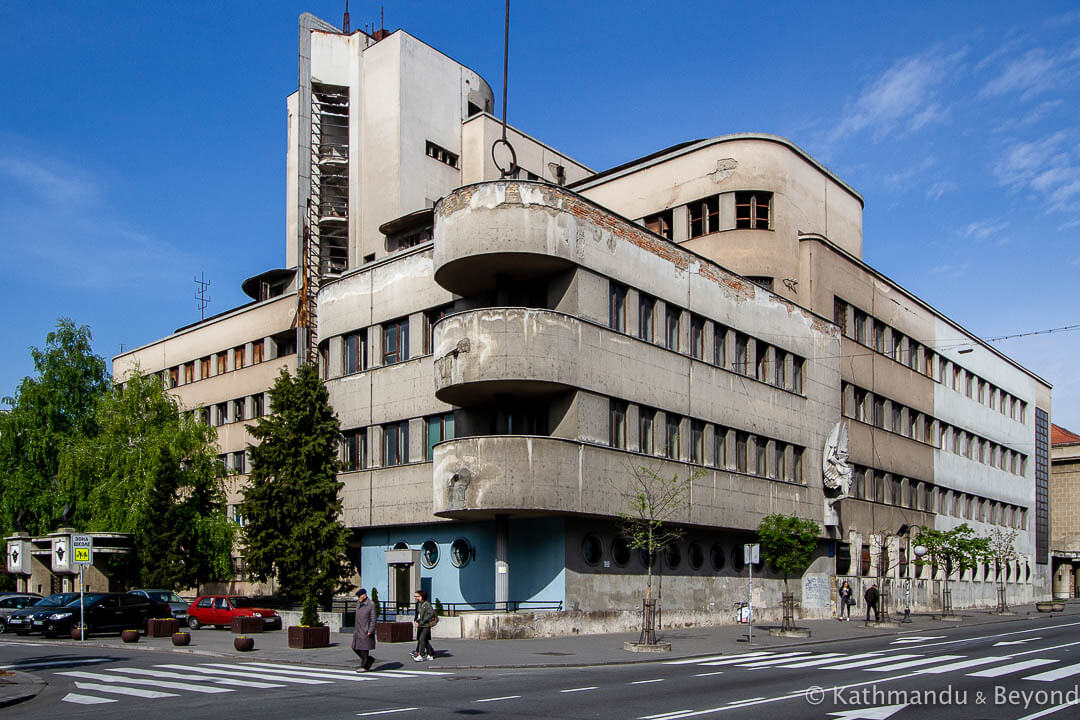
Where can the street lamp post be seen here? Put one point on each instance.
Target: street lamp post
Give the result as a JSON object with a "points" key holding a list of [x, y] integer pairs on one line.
{"points": [[919, 550]]}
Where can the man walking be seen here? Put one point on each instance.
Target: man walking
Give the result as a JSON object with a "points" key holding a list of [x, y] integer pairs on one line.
{"points": [[424, 618], [363, 637], [871, 598]]}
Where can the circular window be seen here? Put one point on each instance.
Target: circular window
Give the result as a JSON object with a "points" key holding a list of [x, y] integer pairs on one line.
{"points": [[673, 556], [401, 546], [716, 556], [429, 554], [592, 549], [461, 552], [620, 551], [737, 558], [695, 556]]}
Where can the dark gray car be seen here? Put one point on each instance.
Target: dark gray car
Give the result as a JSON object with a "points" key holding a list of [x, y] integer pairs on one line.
{"points": [[12, 602], [177, 605]]}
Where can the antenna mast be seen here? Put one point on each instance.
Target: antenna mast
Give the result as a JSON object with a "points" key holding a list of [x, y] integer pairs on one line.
{"points": [[201, 298], [345, 20]]}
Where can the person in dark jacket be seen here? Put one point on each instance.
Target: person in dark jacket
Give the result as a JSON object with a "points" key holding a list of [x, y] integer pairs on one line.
{"points": [[423, 617], [363, 637], [871, 596], [846, 594]]}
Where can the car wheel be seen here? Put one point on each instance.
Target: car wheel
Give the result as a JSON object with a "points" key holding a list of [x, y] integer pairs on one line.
{"points": [[49, 631], [193, 623], [3, 626]]}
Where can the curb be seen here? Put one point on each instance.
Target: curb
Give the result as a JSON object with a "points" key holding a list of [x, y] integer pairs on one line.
{"points": [[29, 687]]}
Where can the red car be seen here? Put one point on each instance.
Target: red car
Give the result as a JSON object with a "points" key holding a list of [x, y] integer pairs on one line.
{"points": [[221, 609]]}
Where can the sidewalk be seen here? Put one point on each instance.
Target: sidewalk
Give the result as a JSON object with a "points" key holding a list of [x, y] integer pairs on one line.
{"points": [[574, 651], [16, 687]]}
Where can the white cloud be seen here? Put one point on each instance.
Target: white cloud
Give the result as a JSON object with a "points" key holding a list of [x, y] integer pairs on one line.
{"points": [[1031, 73], [1023, 161], [938, 189], [1036, 114], [981, 231], [903, 178]]}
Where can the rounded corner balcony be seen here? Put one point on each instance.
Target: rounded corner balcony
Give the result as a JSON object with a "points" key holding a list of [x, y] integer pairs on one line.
{"points": [[517, 351], [515, 228]]}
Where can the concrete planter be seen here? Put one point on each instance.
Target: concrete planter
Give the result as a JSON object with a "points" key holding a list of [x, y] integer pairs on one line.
{"points": [[1059, 606], [161, 627], [76, 633], [245, 625], [302, 637], [130, 636], [658, 647], [394, 632], [1044, 607], [181, 639], [243, 643]]}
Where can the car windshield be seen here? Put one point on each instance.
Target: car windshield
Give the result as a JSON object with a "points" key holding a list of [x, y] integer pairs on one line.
{"points": [[56, 600], [165, 596], [243, 602], [86, 600]]}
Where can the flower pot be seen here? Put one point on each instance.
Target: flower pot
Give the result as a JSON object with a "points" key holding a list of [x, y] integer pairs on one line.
{"points": [[162, 627], [76, 633], [130, 636], [244, 643], [1044, 607], [390, 632], [181, 639], [1059, 607], [246, 624], [302, 637]]}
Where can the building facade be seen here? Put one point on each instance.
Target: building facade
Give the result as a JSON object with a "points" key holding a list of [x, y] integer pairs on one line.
{"points": [[505, 350], [1065, 519]]}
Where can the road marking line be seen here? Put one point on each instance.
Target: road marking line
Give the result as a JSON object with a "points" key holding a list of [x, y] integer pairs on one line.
{"points": [[50, 663], [831, 657], [710, 674], [747, 700], [1014, 667], [869, 661], [991, 637], [182, 676], [811, 663], [1047, 711], [646, 682], [153, 683], [765, 656], [664, 716], [497, 699], [914, 663], [699, 660], [309, 668], [121, 690], [916, 638], [1056, 674], [974, 662], [581, 689], [85, 699], [248, 675], [385, 712]]}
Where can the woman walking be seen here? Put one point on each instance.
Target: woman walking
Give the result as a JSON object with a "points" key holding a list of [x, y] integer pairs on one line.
{"points": [[423, 619], [846, 594]]}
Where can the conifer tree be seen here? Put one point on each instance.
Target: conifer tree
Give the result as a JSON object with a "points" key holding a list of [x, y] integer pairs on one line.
{"points": [[294, 531]]}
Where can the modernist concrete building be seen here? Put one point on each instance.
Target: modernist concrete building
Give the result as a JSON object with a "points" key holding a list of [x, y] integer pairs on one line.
{"points": [[504, 349], [1065, 518]]}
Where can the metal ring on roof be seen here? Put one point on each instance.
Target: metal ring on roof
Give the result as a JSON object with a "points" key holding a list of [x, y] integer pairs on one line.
{"points": [[505, 172]]}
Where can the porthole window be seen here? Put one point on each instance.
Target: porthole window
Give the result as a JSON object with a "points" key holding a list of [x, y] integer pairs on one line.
{"points": [[592, 549], [695, 556], [620, 551], [716, 556], [461, 552], [737, 558], [673, 556], [429, 554]]}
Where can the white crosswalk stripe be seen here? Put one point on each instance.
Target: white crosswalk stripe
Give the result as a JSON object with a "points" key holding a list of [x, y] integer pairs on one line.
{"points": [[829, 659], [80, 699], [961, 665], [774, 661], [734, 660], [869, 662], [249, 675], [181, 676], [1012, 667], [1056, 673], [914, 663], [121, 690], [190, 687]]}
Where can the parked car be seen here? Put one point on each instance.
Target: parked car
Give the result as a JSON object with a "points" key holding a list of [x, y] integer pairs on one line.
{"points": [[12, 602], [20, 621], [221, 609], [103, 612], [177, 604]]}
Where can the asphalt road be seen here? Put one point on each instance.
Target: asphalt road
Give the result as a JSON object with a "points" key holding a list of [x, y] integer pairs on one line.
{"points": [[1020, 670]]}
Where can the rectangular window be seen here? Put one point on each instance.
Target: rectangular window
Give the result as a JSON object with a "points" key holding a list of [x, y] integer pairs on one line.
{"points": [[441, 154], [439, 428], [354, 447], [719, 345], [697, 336], [660, 223], [354, 352], [671, 435], [617, 424], [928, 358], [257, 352], [204, 415], [741, 451], [430, 318], [204, 368], [779, 363], [860, 327], [761, 362], [796, 374], [913, 355], [896, 424], [796, 464], [222, 410], [704, 216], [760, 458], [671, 328], [742, 343], [645, 429], [238, 409], [396, 341], [396, 443], [239, 355], [174, 377], [189, 372], [898, 347], [222, 362], [617, 307], [840, 314], [697, 442], [969, 386], [879, 412], [646, 307], [257, 409], [239, 462], [752, 210], [879, 336], [720, 454], [779, 468]]}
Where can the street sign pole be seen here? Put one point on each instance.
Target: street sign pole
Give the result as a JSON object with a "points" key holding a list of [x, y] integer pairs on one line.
{"points": [[750, 604], [82, 549], [82, 611]]}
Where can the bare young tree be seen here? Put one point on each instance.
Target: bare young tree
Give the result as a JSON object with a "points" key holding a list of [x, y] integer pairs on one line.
{"points": [[1002, 551]]}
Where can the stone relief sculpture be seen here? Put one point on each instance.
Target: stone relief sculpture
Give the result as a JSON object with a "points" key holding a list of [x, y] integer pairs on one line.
{"points": [[456, 485], [835, 470]]}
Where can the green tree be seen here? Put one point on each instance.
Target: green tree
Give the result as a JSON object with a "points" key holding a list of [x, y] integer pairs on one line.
{"points": [[294, 531], [48, 412], [956, 551], [151, 471], [788, 543]]}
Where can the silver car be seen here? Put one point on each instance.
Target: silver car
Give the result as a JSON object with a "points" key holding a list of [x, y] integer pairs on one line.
{"points": [[11, 602], [176, 604]]}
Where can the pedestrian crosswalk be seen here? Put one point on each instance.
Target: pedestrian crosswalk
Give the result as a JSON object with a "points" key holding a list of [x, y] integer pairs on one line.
{"points": [[98, 685], [991, 666]]}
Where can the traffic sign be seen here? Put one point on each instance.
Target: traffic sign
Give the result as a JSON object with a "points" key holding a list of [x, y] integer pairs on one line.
{"points": [[752, 553], [82, 548]]}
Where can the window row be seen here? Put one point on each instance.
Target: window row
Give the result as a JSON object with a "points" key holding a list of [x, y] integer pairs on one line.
{"points": [[394, 443], [889, 489], [664, 434], [234, 462], [225, 361], [707, 340], [618, 551], [744, 210], [231, 411], [357, 352], [881, 412], [882, 338]]}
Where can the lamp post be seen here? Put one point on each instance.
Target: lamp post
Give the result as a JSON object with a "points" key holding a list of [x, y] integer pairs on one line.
{"points": [[919, 551]]}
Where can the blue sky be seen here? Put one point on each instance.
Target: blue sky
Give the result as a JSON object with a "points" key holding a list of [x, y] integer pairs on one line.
{"points": [[144, 143]]}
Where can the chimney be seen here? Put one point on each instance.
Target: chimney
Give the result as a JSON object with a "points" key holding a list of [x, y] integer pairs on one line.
{"points": [[380, 34]]}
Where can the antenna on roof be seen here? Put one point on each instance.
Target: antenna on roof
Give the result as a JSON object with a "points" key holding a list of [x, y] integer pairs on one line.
{"points": [[345, 20], [200, 294]]}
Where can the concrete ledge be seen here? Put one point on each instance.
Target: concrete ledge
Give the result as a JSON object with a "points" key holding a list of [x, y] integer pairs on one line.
{"points": [[796, 633], [660, 647], [948, 618], [885, 624]]}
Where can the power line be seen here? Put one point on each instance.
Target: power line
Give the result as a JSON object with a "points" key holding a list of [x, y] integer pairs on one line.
{"points": [[1033, 332]]}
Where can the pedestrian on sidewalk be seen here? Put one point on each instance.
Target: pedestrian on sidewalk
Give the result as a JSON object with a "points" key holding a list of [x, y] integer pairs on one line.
{"points": [[871, 598], [423, 619], [846, 598], [363, 636]]}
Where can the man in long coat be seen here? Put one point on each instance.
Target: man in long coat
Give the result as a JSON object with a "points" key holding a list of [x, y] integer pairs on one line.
{"points": [[363, 638]]}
